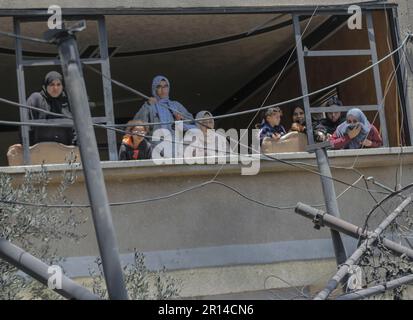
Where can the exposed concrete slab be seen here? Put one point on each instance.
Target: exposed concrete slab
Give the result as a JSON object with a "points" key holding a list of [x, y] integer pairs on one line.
{"points": [[22, 4]]}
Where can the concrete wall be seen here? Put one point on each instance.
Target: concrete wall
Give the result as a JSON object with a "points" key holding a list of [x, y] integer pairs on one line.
{"points": [[210, 232], [405, 13]]}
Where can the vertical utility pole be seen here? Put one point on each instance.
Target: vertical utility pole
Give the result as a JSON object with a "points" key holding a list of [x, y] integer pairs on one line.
{"points": [[21, 87], [102, 219]]}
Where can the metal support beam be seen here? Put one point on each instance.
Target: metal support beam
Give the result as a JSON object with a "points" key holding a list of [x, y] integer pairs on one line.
{"points": [[402, 73], [330, 200], [321, 154], [103, 60], [344, 269], [343, 108], [322, 219], [21, 87], [336, 53], [107, 88], [377, 79], [38, 270], [102, 218], [303, 77], [54, 62], [68, 121], [202, 9], [325, 53]]}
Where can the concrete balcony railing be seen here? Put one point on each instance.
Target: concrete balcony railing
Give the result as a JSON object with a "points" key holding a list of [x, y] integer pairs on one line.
{"points": [[217, 241]]}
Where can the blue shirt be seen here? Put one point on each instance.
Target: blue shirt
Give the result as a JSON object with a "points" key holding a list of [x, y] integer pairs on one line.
{"points": [[266, 130]]}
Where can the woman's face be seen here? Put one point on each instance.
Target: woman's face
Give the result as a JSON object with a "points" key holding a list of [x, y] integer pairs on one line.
{"points": [[298, 115], [206, 124], [352, 120], [333, 116], [162, 89], [55, 88]]}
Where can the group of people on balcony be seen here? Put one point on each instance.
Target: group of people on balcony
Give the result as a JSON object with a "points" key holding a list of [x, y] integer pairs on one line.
{"points": [[350, 131]]}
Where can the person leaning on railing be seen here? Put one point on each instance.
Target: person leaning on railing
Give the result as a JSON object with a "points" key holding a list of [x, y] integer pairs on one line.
{"points": [[325, 127], [299, 123], [160, 108], [134, 144], [356, 133], [51, 97], [270, 127]]}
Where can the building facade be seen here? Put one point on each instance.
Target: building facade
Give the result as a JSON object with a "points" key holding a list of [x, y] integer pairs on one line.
{"points": [[216, 242]]}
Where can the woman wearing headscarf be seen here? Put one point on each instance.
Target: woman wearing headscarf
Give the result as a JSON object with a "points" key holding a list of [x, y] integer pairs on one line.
{"points": [[52, 98], [357, 132], [210, 139], [204, 122], [325, 128], [160, 108]]}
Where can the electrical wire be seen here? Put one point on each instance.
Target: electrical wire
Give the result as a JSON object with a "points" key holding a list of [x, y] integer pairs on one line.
{"points": [[260, 108], [273, 85], [268, 157], [253, 110], [21, 37], [257, 151], [114, 204]]}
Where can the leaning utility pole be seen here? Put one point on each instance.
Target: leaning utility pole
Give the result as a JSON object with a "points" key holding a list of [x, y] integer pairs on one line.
{"points": [[330, 200], [39, 271], [102, 218]]}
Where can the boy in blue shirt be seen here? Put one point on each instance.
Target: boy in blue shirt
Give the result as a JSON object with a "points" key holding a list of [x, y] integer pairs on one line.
{"points": [[270, 128]]}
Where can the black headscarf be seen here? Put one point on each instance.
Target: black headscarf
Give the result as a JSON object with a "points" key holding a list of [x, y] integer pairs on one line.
{"points": [[58, 103]]}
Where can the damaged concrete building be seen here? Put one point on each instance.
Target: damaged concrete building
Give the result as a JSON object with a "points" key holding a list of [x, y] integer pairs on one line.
{"points": [[222, 56]]}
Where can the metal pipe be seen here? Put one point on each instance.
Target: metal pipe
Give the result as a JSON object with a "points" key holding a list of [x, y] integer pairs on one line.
{"points": [[381, 288], [330, 200], [107, 88], [340, 225], [343, 271], [102, 219], [377, 78], [379, 184], [39, 271]]}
